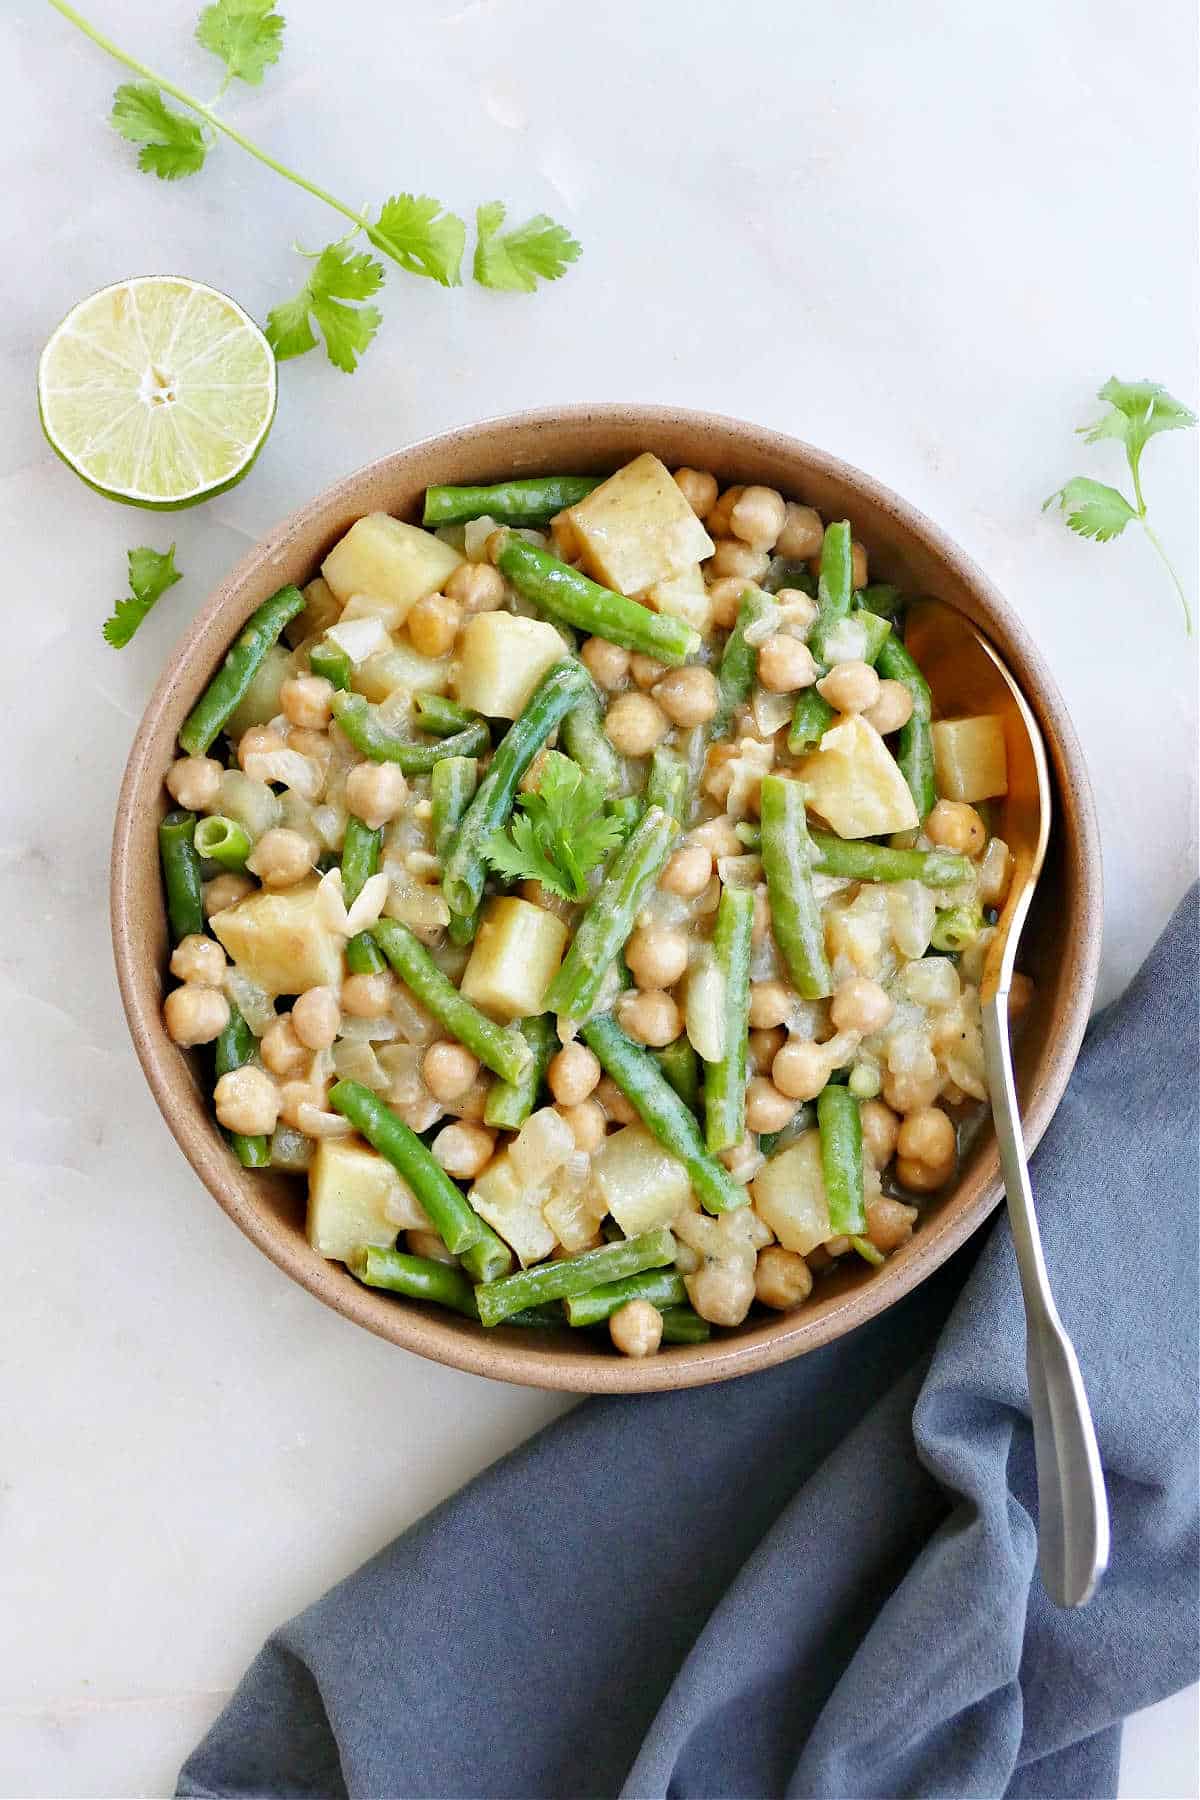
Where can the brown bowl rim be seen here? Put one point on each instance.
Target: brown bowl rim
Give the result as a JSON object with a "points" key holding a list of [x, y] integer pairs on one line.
{"points": [[516, 1357]]}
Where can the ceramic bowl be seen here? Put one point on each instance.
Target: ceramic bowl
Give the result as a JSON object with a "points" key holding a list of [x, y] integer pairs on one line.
{"points": [[1060, 950]]}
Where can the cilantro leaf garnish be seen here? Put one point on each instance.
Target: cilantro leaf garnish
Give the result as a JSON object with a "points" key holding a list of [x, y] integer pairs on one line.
{"points": [[517, 260], [337, 277], [172, 145], [560, 833], [151, 573], [246, 34]]}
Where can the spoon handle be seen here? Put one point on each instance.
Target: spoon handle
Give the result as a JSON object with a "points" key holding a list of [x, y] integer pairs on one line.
{"points": [[1073, 1533]]}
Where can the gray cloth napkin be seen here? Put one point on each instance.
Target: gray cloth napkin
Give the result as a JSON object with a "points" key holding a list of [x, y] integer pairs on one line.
{"points": [[819, 1580]]}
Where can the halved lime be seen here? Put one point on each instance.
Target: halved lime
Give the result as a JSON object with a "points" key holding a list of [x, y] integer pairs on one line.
{"points": [[157, 391]]}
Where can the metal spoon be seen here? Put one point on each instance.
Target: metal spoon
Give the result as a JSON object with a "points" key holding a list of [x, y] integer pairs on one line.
{"points": [[967, 677]]}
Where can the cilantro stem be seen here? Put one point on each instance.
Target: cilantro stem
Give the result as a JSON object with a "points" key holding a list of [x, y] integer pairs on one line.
{"points": [[360, 220], [1169, 567]]}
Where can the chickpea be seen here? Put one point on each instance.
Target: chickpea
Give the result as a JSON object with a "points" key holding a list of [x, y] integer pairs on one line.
{"points": [[636, 1328], [771, 1003], [722, 1292], [433, 624], [802, 608], [718, 835], [281, 857], [258, 741], [892, 708], [608, 664], [688, 871], [368, 996], [880, 1128], [429, 1245], [928, 1136], [687, 696], [782, 1279], [565, 538], [246, 1100], [194, 782], [477, 587], [610, 1097], [956, 826], [725, 599], [767, 1109], [800, 1070], [860, 1004], [850, 687], [890, 1223], [785, 664], [280, 1048], [763, 1046], [761, 923], [539, 895], [224, 891], [802, 534], [376, 793], [716, 519], [657, 957], [904, 1093], [496, 543], [317, 1017], [464, 1150], [732, 557], [588, 1124], [317, 745], [858, 564], [531, 780], [757, 516], [448, 1069], [919, 1177], [199, 959], [573, 1074], [195, 1015], [646, 670], [635, 724], [650, 1016], [698, 488], [305, 700]]}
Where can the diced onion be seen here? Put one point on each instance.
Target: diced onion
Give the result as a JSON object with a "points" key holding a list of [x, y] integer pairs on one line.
{"points": [[541, 1147], [255, 1006], [301, 773], [359, 638], [705, 1013], [354, 1060], [315, 1122], [740, 871], [368, 905]]}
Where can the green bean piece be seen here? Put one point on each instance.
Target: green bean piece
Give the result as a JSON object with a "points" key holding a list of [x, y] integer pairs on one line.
{"points": [[626, 810], [364, 957], [787, 856], [232, 1050], [496, 1300], [683, 1326], [326, 660], [604, 929], [452, 783], [533, 501], [876, 632], [509, 1103], [562, 592], [739, 660], [452, 1218], [661, 1287], [667, 784], [465, 871], [681, 1066], [840, 1125], [417, 1277], [441, 716], [359, 722], [663, 1113], [181, 874], [501, 1047], [859, 859], [587, 743], [914, 748], [222, 840], [882, 598], [538, 1318], [725, 1080], [811, 719], [835, 588], [868, 1252], [801, 1121], [490, 1258], [360, 857], [955, 928], [748, 833], [228, 686]]}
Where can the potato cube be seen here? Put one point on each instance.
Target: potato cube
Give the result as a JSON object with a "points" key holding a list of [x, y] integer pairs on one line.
{"points": [[502, 657], [260, 701], [853, 781], [637, 529], [356, 1199], [401, 667], [640, 1184], [517, 952], [789, 1195], [685, 597], [280, 941], [321, 610], [969, 758], [393, 561], [513, 1209]]}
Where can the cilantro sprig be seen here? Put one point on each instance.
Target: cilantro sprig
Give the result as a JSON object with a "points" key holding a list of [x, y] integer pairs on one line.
{"points": [[1137, 411], [414, 231], [151, 573], [560, 833]]}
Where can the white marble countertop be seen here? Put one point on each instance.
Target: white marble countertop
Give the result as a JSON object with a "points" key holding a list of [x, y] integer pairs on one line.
{"points": [[919, 236]]}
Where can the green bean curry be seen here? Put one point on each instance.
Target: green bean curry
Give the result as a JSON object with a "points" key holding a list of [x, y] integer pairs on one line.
{"points": [[578, 892]]}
